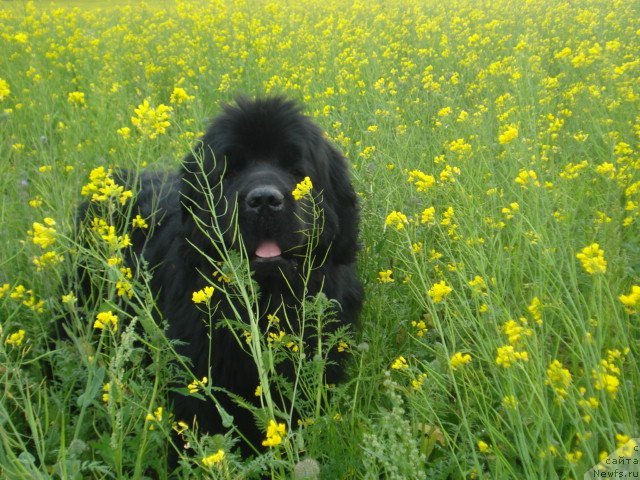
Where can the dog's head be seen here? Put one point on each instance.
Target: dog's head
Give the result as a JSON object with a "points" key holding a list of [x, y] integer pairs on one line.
{"points": [[248, 163]]}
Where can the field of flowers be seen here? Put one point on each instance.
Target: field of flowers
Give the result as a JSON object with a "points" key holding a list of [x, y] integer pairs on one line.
{"points": [[495, 147]]}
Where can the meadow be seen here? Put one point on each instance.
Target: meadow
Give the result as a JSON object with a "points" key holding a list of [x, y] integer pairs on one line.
{"points": [[495, 148]]}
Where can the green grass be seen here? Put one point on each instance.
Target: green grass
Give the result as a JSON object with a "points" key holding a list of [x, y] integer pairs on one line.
{"points": [[522, 120]]}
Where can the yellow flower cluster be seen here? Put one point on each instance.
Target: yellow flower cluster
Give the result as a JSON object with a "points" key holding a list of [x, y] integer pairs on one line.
{"points": [[302, 189], [508, 135], [606, 376], [25, 296], [213, 459], [102, 187], [106, 320], [459, 359], [516, 331], [150, 121], [558, 378], [420, 327], [180, 95], [139, 222], [196, 385], [47, 260], [527, 178], [155, 417], [43, 235], [478, 285], [4, 89], [416, 383], [203, 295], [397, 220], [16, 338], [385, 276], [508, 355], [439, 291], [592, 259], [400, 363], [275, 433], [631, 301], [108, 234], [76, 98], [421, 180]]}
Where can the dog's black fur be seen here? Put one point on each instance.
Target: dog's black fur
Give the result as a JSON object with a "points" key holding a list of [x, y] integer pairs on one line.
{"points": [[253, 155]]}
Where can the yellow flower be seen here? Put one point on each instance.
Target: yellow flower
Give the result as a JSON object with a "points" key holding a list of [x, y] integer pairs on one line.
{"points": [[417, 383], [151, 121], [302, 189], [76, 97], [196, 385], [535, 309], [526, 178], [632, 300], [102, 187], [106, 320], [421, 180], [214, 458], [507, 355], [460, 146], [16, 339], [420, 326], [459, 359], [139, 222], [428, 215], [43, 235], [124, 288], [258, 391], [180, 95], [275, 432], [400, 363], [396, 219], [47, 260], [4, 89], [508, 135], [203, 296], [509, 401], [124, 132], [574, 457], [155, 417], [605, 381], [106, 392], [592, 259], [514, 331], [180, 427], [478, 284], [483, 446], [558, 378], [439, 291], [385, 276]]}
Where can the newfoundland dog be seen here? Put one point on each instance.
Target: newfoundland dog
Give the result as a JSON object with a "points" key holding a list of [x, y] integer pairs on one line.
{"points": [[235, 193]]}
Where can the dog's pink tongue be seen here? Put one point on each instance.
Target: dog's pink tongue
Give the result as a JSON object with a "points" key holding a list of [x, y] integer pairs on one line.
{"points": [[268, 249]]}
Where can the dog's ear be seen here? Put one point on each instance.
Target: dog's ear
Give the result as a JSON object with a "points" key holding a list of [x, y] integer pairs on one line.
{"points": [[345, 201]]}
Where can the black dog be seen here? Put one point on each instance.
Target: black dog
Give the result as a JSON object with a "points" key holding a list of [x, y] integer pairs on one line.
{"points": [[241, 176]]}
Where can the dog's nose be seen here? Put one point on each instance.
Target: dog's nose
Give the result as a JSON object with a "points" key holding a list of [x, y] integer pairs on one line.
{"points": [[265, 197]]}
